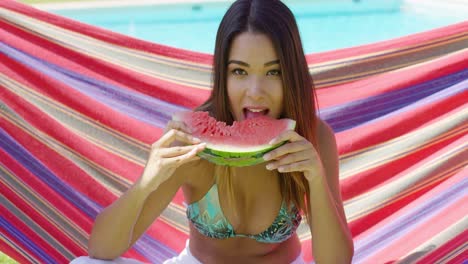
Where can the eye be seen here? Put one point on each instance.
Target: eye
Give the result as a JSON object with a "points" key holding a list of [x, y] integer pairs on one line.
{"points": [[238, 71], [274, 73]]}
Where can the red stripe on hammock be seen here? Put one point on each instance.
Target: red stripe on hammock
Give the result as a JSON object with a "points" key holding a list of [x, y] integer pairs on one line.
{"points": [[10, 251], [105, 35], [390, 207], [48, 51], [348, 187], [126, 41], [372, 178], [49, 195], [66, 208], [360, 225], [385, 129], [168, 235], [80, 103], [456, 246], [133, 80], [391, 81], [418, 234], [307, 250], [54, 231], [56, 130], [423, 231], [85, 185]]}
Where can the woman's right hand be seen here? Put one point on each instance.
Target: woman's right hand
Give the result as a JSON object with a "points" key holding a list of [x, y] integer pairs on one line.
{"points": [[176, 147]]}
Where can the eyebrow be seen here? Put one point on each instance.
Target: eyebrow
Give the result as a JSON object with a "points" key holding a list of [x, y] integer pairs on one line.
{"points": [[247, 65]]}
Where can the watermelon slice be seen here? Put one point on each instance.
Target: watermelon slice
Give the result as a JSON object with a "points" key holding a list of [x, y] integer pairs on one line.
{"points": [[242, 144]]}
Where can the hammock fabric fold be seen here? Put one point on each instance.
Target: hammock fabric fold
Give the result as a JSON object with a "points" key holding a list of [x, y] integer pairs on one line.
{"points": [[80, 107]]}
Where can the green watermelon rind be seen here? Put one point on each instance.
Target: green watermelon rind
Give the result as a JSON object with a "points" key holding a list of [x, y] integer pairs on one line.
{"points": [[225, 152], [236, 159]]}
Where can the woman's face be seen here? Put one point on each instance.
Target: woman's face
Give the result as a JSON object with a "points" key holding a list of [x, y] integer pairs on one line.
{"points": [[254, 82]]}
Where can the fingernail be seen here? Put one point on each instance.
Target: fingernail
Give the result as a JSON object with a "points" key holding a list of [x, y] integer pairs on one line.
{"points": [[272, 142], [269, 167], [266, 157], [196, 139]]}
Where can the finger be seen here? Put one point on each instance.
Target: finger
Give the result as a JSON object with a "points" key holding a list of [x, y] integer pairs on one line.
{"points": [[289, 159], [286, 149], [298, 166], [185, 158], [194, 158], [288, 135], [179, 150], [174, 135], [177, 125]]}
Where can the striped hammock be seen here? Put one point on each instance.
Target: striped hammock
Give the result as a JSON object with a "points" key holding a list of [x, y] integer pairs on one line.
{"points": [[80, 107]]}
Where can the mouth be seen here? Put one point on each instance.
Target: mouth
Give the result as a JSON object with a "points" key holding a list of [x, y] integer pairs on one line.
{"points": [[252, 112]]}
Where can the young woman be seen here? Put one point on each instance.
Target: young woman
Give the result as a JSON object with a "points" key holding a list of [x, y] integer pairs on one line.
{"points": [[243, 214]]}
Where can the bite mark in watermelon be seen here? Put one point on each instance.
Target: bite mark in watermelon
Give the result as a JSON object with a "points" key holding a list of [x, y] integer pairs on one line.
{"points": [[242, 144]]}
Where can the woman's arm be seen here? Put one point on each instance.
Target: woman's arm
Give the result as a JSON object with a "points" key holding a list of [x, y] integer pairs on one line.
{"points": [[119, 225], [332, 241], [330, 233], [114, 230]]}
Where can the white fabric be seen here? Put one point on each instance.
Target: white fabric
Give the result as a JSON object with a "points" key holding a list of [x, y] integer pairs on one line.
{"points": [[185, 257], [88, 260]]}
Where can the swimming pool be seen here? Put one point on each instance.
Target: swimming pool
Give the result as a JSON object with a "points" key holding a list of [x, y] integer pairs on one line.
{"points": [[324, 25]]}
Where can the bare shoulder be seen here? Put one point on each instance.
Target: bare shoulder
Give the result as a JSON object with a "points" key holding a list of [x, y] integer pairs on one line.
{"points": [[328, 152], [194, 172], [198, 176], [326, 139]]}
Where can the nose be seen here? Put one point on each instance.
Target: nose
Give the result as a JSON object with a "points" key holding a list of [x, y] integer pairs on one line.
{"points": [[255, 88]]}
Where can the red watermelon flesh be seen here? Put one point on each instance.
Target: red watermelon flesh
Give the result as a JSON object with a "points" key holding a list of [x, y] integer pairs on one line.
{"points": [[241, 144]]}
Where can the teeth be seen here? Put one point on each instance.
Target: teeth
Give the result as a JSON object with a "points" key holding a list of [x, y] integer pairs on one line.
{"points": [[256, 110]]}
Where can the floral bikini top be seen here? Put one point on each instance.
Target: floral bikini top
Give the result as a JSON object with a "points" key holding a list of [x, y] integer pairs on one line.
{"points": [[207, 217]]}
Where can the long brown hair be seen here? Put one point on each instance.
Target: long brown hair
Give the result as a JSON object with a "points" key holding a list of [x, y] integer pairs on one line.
{"points": [[274, 19]]}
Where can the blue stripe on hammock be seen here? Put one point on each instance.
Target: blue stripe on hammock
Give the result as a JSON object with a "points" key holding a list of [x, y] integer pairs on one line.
{"points": [[385, 53], [153, 250], [157, 112], [137, 105], [441, 95], [28, 161], [147, 246], [355, 113], [419, 214], [26, 242]]}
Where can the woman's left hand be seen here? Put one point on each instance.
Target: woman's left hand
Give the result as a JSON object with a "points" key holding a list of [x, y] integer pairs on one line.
{"points": [[297, 155]]}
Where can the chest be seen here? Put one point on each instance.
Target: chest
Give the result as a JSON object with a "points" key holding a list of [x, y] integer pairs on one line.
{"points": [[251, 215], [248, 198]]}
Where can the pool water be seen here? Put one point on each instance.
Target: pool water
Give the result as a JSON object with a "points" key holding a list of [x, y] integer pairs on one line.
{"points": [[324, 25]]}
